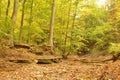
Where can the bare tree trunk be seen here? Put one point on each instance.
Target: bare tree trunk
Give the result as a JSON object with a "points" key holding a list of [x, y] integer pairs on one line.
{"points": [[52, 24], [13, 18], [67, 26], [7, 15], [14, 14], [74, 17], [7, 9], [30, 22], [0, 7], [75, 13], [68, 21], [22, 21]]}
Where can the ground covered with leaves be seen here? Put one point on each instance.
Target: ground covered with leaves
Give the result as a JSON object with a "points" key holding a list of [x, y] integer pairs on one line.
{"points": [[70, 69]]}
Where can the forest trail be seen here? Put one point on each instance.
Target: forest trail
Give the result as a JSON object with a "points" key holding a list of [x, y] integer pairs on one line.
{"points": [[70, 69]]}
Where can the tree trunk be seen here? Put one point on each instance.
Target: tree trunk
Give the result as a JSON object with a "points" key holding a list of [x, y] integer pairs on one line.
{"points": [[15, 8], [7, 16], [52, 24], [7, 9], [66, 34], [75, 13], [30, 22], [13, 18], [68, 21], [74, 17], [22, 21], [0, 7]]}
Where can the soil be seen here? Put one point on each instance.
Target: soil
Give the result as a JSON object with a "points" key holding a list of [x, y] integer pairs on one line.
{"points": [[69, 69]]}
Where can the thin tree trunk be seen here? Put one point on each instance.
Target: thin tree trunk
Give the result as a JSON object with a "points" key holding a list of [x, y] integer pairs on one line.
{"points": [[7, 15], [68, 21], [7, 9], [30, 22], [62, 23], [13, 18], [14, 14], [52, 24], [75, 13], [0, 8], [22, 21], [74, 17], [67, 26]]}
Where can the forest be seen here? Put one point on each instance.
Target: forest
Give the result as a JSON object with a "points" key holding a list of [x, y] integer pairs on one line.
{"points": [[59, 39]]}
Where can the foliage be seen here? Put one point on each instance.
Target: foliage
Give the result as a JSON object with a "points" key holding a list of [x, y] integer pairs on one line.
{"points": [[114, 48], [82, 26]]}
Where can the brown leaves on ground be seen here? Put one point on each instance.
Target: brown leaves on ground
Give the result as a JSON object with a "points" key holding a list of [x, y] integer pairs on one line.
{"points": [[8, 53], [66, 70], [111, 71]]}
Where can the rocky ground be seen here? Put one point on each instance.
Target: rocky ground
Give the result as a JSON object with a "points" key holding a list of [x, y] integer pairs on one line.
{"points": [[70, 69]]}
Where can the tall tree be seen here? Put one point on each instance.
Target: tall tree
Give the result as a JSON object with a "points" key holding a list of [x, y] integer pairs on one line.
{"points": [[74, 18], [22, 20], [52, 23], [0, 7], [68, 21], [15, 9], [75, 13], [30, 21], [7, 9], [13, 18], [7, 15]]}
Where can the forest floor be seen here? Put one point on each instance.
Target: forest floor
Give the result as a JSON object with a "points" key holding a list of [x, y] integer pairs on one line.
{"points": [[69, 69]]}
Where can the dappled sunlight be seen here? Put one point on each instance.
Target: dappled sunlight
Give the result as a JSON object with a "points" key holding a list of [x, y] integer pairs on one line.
{"points": [[101, 2]]}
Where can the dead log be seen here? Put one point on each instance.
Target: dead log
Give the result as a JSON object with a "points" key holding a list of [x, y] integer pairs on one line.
{"points": [[38, 61], [25, 46], [23, 61], [49, 61], [44, 61]]}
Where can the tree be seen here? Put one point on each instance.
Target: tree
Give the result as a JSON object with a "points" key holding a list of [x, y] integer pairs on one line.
{"points": [[52, 24], [74, 18], [30, 21], [22, 20], [68, 21], [66, 33], [7, 9], [7, 19], [13, 18], [114, 19], [0, 8]]}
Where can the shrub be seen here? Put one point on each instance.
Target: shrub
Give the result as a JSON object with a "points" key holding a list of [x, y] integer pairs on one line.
{"points": [[114, 48]]}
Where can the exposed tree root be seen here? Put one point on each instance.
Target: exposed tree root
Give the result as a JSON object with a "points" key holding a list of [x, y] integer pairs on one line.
{"points": [[38, 61], [114, 58]]}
